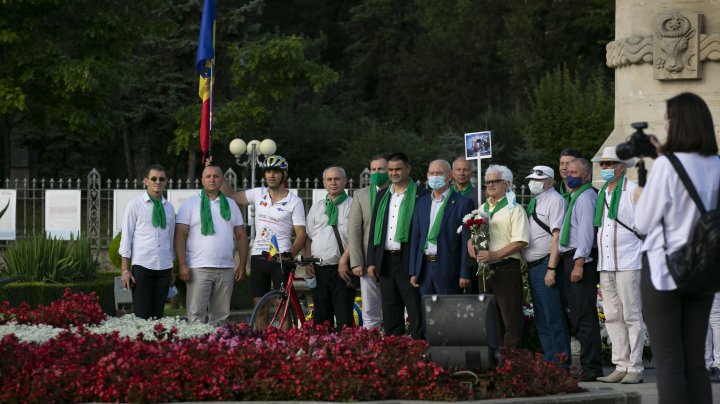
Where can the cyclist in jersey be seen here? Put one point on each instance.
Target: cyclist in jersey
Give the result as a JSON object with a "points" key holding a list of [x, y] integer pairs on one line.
{"points": [[279, 213]]}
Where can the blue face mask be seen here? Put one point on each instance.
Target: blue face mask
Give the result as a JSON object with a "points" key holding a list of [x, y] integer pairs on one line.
{"points": [[607, 174], [436, 182], [573, 182]]}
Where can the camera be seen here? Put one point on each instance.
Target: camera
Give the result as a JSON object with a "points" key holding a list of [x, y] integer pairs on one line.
{"points": [[637, 145]]}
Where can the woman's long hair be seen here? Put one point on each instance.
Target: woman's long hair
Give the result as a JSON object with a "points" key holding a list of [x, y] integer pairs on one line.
{"points": [[690, 126]]}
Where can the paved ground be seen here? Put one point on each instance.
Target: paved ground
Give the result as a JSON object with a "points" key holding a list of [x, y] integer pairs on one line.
{"points": [[647, 389]]}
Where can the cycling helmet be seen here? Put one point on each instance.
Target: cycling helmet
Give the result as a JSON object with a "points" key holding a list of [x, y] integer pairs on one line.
{"points": [[274, 162]]}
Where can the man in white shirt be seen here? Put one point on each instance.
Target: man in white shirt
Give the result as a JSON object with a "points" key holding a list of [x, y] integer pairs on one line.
{"points": [[546, 212], [577, 238], [147, 239], [209, 228], [619, 263], [358, 233], [279, 213], [327, 225]]}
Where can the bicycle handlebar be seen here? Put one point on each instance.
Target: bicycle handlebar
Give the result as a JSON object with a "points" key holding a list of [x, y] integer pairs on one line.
{"points": [[286, 259]]}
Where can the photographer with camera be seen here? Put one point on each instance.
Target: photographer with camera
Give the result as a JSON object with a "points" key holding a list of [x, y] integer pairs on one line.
{"points": [[677, 319]]}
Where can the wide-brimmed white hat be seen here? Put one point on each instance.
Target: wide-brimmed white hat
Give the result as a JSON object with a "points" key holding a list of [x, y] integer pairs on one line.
{"points": [[609, 154], [541, 173]]}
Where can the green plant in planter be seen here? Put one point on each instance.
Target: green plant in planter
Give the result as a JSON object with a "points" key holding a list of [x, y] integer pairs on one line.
{"points": [[114, 252], [51, 260]]}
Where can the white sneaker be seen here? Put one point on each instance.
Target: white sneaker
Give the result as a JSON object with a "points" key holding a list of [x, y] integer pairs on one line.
{"points": [[614, 377], [632, 378]]}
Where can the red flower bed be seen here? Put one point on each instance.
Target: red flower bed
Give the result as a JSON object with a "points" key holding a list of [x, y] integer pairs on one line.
{"points": [[72, 309], [233, 364], [236, 363]]}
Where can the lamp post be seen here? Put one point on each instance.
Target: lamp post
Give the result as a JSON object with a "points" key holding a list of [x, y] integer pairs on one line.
{"points": [[253, 150]]}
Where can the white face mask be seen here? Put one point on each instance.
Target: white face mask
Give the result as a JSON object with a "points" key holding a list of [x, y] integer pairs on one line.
{"points": [[536, 187]]}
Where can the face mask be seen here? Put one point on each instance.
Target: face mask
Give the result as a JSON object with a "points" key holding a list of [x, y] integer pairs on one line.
{"points": [[573, 182], [536, 187], [607, 174], [436, 182], [311, 282], [378, 178]]}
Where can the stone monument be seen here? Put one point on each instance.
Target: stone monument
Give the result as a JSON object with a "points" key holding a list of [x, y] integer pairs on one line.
{"points": [[662, 48]]}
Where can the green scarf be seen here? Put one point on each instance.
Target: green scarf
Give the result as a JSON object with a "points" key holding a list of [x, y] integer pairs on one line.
{"points": [[464, 192], [435, 228], [565, 234], [501, 204], [376, 179], [531, 206], [614, 202], [331, 209], [562, 192], [407, 206], [206, 222], [158, 213]]}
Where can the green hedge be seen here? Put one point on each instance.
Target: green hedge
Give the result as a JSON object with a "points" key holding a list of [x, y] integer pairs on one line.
{"points": [[34, 293]]}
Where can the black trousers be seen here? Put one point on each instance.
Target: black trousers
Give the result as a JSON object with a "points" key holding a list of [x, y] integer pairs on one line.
{"points": [[333, 298], [582, 305], [150, 291], [398, 295], [506, 284], [677, 323]]}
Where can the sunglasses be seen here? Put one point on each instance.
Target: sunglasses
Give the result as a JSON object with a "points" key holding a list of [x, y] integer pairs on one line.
{"points": [[608, 163], [157, 179]]}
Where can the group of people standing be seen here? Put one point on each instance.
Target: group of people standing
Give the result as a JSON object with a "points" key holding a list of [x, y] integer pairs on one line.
{"points": [[401, 241]]}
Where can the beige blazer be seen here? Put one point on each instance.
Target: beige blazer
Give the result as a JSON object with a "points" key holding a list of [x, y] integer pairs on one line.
{"points": [[359, 227]]}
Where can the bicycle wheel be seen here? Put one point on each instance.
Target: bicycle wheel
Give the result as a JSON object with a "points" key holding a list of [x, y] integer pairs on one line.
{"points": [[269, 311]]}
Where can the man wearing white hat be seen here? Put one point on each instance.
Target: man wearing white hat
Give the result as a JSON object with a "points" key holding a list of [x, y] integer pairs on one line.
{"points": [[619, 263], [546, 212]]}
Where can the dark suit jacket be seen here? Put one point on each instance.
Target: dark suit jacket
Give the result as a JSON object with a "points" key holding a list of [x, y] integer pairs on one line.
{"points": [[375, 253], [451, 246]]}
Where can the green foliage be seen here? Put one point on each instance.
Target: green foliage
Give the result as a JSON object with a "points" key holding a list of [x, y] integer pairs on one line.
{"points": [[566, 112], [113, 251], [34, 293], [50, 260]]}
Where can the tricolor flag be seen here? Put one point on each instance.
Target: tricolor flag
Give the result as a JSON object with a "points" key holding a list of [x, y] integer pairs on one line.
{"points": [[204, 67], [274, 249]]}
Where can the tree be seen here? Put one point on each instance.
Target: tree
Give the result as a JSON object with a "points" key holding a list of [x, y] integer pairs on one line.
{"points": [[566, 112]]}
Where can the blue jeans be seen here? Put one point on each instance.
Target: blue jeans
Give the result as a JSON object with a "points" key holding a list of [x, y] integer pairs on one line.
{"points": [[549, 313]]}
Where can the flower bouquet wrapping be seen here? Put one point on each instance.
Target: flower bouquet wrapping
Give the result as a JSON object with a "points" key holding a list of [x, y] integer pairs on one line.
{"points": [[478, 223]]}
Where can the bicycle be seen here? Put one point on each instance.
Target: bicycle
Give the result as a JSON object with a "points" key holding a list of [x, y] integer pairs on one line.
{"points": [[278, 302]]}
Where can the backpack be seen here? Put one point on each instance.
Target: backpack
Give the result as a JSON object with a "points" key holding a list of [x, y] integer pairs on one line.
{"points": [[695, 267]]}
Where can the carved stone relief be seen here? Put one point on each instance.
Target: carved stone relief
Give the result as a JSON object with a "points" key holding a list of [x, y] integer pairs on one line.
{"points": [[676, 49]]}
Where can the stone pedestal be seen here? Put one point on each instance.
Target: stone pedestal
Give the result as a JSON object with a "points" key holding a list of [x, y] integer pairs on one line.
{"points": [[662, 48]]}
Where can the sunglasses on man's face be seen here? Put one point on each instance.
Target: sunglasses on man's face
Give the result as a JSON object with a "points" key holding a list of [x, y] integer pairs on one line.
{"points": [[157, 179], [608, 163]]}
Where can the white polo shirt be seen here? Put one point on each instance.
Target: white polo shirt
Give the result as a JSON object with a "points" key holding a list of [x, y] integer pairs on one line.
{"points": [[274, 219], [211, 251]]}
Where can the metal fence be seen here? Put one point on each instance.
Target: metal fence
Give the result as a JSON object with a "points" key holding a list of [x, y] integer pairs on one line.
{"points": [[97, 199]]}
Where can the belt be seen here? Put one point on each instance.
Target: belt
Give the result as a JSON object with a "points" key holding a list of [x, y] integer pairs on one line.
{"points": [[394, 253], [431, 258], [537, 262], [502, 262], [570, 253]]}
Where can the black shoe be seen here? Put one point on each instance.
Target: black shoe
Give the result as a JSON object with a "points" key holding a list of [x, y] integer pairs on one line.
{"points": [[589, 376], [714, 375]]}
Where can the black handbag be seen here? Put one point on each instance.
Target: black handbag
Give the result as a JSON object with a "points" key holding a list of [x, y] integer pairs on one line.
{"points": [[695, 267]]}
